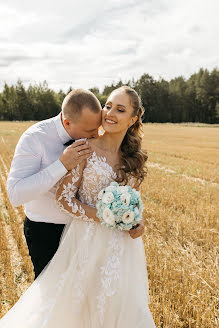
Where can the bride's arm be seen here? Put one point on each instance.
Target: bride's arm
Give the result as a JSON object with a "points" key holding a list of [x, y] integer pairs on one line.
{"points": [[66, 192], [139, 230]]}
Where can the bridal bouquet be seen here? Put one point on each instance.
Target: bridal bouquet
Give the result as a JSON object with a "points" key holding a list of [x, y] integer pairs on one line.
{"points": [[119, 207]]}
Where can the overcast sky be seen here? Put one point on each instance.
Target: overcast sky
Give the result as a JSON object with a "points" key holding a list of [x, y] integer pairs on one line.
{"points": [[93, 43]]}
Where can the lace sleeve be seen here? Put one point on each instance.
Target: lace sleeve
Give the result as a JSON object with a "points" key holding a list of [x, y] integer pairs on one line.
{"points": [[66, 196]]}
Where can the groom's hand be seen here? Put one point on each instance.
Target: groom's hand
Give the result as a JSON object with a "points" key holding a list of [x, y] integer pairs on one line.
{"points": [[138, 231], [75, 154]]}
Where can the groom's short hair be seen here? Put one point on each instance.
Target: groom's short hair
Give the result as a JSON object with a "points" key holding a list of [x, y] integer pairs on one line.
{"points": [[76, 100]]}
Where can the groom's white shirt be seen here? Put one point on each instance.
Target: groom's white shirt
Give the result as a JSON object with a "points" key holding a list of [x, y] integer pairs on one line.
{"points": [[36, 168]]}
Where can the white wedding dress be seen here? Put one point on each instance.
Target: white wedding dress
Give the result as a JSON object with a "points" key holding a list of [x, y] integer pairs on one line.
{"points": [[98, 276]]}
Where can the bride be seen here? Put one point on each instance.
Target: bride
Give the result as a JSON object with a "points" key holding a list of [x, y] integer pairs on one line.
{"points": [[98, 276]]}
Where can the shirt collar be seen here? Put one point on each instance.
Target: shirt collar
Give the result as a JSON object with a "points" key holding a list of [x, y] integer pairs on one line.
{"points": [[63, 134]]}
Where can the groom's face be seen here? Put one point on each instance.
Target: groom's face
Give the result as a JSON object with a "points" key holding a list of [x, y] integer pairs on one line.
{"points": [[86, 126]]}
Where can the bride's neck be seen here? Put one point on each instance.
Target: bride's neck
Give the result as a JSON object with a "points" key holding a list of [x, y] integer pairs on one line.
{"points": [[110, 142]]}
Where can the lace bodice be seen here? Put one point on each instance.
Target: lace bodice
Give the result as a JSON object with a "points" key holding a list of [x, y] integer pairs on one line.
{"points": [[84, 184], [97, 175]]}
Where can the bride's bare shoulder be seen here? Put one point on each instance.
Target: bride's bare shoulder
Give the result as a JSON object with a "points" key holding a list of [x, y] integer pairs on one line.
{"points": [[94, 143]]}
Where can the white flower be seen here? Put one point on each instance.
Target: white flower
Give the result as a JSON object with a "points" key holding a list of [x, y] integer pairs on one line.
{"points": [[108, 216], [125, 198], [100, 195], [123, 188], [128, 217], [108, 198]]}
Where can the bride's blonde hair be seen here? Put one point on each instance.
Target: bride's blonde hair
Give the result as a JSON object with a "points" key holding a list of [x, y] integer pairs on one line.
{"points": [[133, 157]]}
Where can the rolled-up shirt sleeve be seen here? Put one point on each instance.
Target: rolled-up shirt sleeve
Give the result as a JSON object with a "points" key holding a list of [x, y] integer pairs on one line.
{"points": [[26, 179]]}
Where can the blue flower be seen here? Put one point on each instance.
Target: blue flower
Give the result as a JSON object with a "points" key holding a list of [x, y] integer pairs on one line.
{"points": [[119, 207]]}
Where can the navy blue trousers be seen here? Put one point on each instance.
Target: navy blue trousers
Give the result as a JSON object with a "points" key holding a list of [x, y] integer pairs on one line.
{"points": [[42, 241]]}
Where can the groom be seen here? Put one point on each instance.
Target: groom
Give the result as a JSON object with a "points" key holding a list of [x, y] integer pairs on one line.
{"points": [[44, 154]]}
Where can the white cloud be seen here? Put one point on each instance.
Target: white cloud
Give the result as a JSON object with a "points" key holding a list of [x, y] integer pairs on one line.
{"points": [[85, 44]]}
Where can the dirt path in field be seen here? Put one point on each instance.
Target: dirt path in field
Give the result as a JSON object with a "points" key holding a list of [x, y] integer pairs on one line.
{"points": [[167, 170]]}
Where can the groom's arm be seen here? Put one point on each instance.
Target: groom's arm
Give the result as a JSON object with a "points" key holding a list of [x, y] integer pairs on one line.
{"points": [[26, 180]]}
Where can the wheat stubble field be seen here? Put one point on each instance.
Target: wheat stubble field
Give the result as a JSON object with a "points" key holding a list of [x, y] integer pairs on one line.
{"points": [[180, 196]]}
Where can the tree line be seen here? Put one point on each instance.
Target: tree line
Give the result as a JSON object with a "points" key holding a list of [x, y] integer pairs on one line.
{"points": [[178, 100]]}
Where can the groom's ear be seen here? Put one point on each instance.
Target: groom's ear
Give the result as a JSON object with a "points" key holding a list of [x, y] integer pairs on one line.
{"points": [[66, 122]]}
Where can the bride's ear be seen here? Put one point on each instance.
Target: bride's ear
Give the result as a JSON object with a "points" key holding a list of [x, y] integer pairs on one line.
{"points": [[133, 120]]}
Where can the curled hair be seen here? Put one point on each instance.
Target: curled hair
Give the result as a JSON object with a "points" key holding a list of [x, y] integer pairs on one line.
{"points": [[133, 157]]}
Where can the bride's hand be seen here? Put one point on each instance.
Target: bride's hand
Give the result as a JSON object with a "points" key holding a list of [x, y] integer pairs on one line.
{"points": [[138, 231]]}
